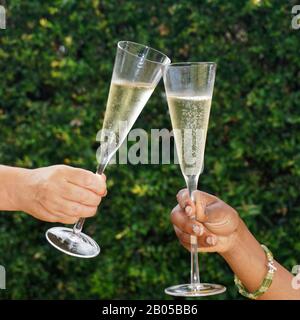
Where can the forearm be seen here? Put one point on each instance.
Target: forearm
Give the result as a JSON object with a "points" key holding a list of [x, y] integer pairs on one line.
{"points": [[248, 261], [12, 184]]}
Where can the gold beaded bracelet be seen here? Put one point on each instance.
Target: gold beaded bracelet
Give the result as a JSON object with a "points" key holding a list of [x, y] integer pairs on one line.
{"points": [[266, 283]]}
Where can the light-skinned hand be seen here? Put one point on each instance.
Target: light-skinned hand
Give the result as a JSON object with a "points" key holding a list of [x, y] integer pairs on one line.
{"points": [[60, 193]]}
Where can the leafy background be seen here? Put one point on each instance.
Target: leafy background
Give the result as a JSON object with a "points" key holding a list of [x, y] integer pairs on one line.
{"points": [[56, 60]]}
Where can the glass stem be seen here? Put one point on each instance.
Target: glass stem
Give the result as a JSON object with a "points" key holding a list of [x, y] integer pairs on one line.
{"points": [[192, 182], [79, 224]]}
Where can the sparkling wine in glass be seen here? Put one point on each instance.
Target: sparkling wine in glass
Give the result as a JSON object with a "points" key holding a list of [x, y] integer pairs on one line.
{"points": [[189, 88], [137, 71]]}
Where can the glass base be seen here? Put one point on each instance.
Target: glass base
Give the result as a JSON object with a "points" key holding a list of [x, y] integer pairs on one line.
{"points": [[77, 245], [200, 290]]}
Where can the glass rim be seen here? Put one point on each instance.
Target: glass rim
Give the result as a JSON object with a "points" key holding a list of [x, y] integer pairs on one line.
{"points": [[191, 63], [168, 60]]}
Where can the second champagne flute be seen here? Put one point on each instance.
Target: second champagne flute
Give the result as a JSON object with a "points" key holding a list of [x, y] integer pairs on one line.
{"points": [[189, 88], [137, 71]]}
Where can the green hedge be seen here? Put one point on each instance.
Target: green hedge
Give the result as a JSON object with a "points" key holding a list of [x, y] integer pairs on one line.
{"points": [[56, 60]]}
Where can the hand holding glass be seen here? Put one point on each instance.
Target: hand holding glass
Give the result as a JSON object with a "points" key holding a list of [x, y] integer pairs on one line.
{"points": [[189, 89], [137, 71]]}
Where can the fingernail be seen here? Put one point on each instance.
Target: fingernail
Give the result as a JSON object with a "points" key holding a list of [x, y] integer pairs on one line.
{"points": [[211, 241], [198, 230], [188, 210]]}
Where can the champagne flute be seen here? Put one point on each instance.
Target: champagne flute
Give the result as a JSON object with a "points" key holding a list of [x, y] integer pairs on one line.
{"points": [[189, 88], [137, 71]]}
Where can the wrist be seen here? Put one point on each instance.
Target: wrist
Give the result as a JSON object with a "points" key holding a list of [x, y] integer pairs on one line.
{"points": [[14, 182], [238, 241], [244, 245], [247, 258], [24, 192]]}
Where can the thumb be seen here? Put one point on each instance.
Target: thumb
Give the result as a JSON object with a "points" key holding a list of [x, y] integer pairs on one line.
{"points": [[202, 201]]}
